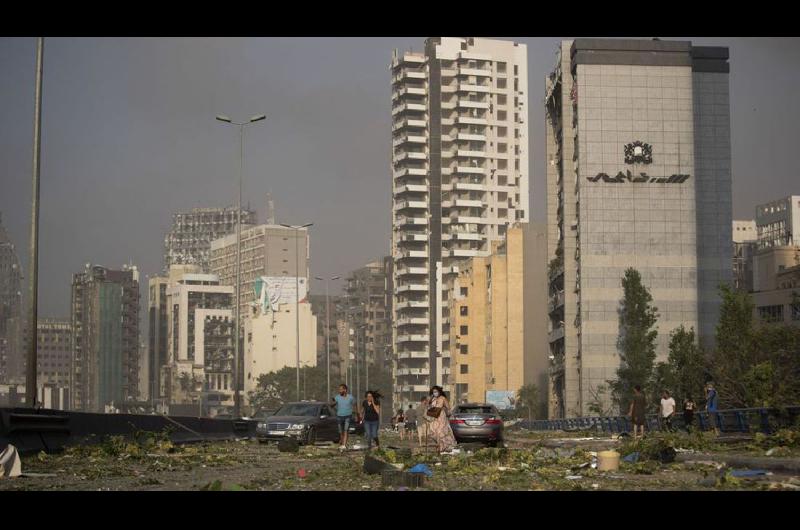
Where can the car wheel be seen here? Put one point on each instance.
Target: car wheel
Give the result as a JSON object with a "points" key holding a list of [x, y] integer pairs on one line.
{"points": [[311, 437]]}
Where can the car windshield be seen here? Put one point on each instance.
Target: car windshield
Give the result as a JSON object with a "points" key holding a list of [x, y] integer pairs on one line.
{"points": [[475, 410], [298, 409]]}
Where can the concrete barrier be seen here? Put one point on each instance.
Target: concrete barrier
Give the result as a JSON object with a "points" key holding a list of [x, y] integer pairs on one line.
{"points": [[34, 430]]}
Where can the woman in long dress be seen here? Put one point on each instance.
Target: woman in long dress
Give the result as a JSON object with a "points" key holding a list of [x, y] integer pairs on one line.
{"points": [[440, 427]]}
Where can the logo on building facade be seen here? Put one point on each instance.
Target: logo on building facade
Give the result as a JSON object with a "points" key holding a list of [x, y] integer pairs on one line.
{"points": [[638, 153]]}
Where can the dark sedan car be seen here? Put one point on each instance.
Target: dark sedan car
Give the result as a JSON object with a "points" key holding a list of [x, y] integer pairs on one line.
{"points": [[307, 421], [477, 422]]}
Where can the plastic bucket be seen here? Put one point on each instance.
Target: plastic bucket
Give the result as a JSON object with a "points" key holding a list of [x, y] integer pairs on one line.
{"points": [[607, 461]]}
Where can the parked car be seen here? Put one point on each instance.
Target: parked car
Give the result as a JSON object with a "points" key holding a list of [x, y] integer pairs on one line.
{"points": [[477, 422], [307, 421]]}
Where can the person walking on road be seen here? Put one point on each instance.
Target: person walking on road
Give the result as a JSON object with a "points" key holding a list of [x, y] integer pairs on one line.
{"points": [[711, 405], [372, 417], [688, 413], [399, 423], [344, 403], [439, 410], [637, 410], [667, 410], [411, 421], [424, 422]]}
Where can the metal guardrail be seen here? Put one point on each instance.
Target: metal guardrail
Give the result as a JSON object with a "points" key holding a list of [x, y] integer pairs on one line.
{"points": [[765, 420]]}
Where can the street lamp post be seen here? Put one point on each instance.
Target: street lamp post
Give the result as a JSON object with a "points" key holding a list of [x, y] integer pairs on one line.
{"points": [[33, 264], [297, 294], [328, 330], [237, 317]]}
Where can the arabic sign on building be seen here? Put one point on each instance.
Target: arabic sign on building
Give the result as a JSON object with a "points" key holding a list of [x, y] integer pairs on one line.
{"points": [[272, 291], [502, 399]]}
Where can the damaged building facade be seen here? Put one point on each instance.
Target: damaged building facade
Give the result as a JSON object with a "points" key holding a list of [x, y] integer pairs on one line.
{"points": [[11, 352], [198, 371], [459, 178], [105, 338], [189, 240], [638, 175]]}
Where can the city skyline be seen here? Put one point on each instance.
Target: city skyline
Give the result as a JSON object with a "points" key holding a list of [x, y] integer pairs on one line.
{"points": [[129, 138]]}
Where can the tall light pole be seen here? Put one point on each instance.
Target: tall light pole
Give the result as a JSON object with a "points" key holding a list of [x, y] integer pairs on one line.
{"points": [[297, 294], [328, 330], [33, 281], [237, 317]]}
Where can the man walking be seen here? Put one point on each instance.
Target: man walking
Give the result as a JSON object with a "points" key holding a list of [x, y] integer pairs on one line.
{"points": [[711, 405], [344, 404], [667, 410], [411, 420]]}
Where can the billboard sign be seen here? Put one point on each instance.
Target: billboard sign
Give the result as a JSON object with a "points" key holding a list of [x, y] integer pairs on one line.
{"points": [[272, 291], [502, 399]]}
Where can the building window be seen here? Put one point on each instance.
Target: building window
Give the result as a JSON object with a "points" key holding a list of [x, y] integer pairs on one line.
{"points": [[502, 132], [501, 99], [463, 349], [501, 68], [464, 368], [502, 115], [464, 330], [795, 311], [771, 313], [464, 291], [501, 82], [464, 311]]}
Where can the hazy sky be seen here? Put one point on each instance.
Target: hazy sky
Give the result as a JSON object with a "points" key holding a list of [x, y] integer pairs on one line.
{"points": [[129, 137]]}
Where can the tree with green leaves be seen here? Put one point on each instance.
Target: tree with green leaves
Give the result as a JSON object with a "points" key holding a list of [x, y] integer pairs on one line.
{"points": [[754, 364], [684, 372], [637, 339], [528, 397]]}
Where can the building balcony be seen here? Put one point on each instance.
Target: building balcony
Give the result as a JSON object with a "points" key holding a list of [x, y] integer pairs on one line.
{"points": [[412, 304], [403, 205], [412, 321], [463, 253], [483, 89], [411, 287], [413, 338], [411, 271], [412, 371], [408, 74], [412, 388], [414, 237], [408, 107], [477, 72], [556, 334], [462, 219], [471, 137], [413, 355], [408, 91], [411, 172], [469, 203], [468, 104], [469, 120], [409, 124], [469, 170], [405, 254], [410, 138], [466, 236], [403, 220], [556, 301], [411, 188], [411, 155], [468, 186], [471, 154]]}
